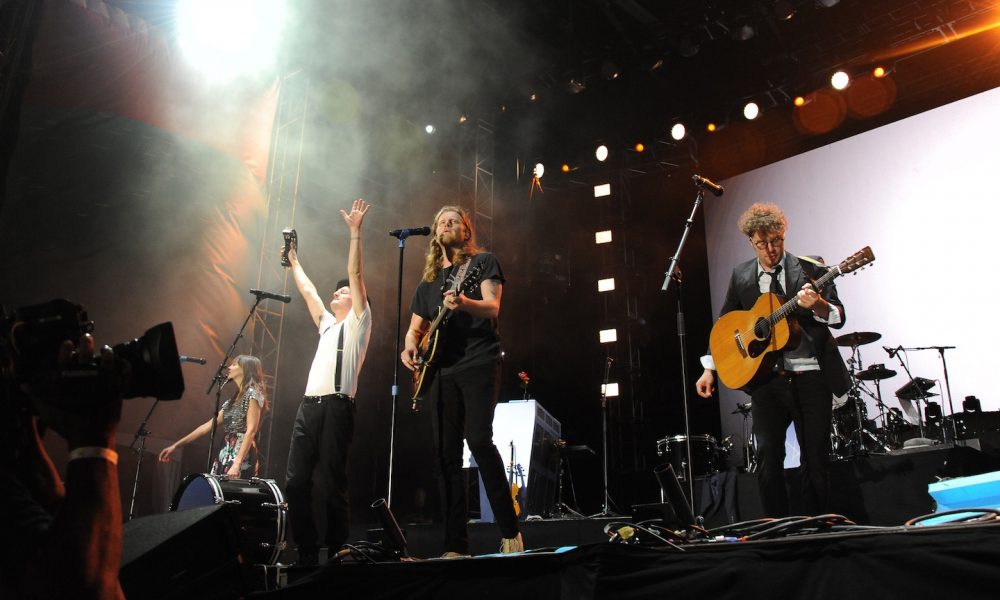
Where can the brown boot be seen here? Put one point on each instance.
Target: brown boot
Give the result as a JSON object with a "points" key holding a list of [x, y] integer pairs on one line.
{"points": [[511, 545]]}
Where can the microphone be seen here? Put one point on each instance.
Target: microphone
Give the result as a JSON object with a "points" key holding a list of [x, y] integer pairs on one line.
{"points": [[708, 184], [194, 359], [405, 233], [271, 296], [892, 351]]}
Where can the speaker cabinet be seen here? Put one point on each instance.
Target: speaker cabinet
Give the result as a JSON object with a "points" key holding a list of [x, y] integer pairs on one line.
{"points": [[188, 554]]}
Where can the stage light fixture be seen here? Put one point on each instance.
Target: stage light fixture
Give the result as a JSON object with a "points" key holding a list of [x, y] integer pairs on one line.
{"points": [[743, 28], [827, 3], [225, 39], [711, 127], [601, 153], [840, 80], [751, 111], [601, 190], [879, 72], [539, 170], [462, 119], [608, 336], [611, 392], [565, 168], [532, 97], [606, 285], [678, 131], [602, 237], [429, 129], [610, 70], [639, 147]]}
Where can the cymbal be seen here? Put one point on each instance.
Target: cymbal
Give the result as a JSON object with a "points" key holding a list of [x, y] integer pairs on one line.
{"points": [[874, 373], [858, 338]]}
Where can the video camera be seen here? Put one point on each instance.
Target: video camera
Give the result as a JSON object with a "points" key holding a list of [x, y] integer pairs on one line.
{"points": [[30, 338]]}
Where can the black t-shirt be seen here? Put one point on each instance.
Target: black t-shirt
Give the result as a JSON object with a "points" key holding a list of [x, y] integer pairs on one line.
{"points": [[465, 340]]}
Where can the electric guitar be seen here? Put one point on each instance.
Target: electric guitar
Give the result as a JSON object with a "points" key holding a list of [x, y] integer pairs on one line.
{"points": [[432, 340], [745, 343], [514, 489]]}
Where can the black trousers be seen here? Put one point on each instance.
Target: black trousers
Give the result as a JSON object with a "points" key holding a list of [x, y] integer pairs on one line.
{"points": [[804, 399], [322, 434], [464, 408]]}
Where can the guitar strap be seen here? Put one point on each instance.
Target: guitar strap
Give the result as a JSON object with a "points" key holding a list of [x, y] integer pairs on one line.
{"points": [[459, 274], [338, 375]]}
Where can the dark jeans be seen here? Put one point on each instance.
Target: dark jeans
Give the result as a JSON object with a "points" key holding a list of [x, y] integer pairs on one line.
{"points": [[464, 408], [806, 400], [322, 434]]}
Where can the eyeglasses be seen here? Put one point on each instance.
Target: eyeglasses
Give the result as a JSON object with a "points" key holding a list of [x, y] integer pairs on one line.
{"points": [[763, 244]]}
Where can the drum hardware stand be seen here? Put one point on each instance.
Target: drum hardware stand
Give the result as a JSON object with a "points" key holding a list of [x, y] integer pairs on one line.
{"points": [[749, 454], [220, 379], [140, 435], [673, 273]]}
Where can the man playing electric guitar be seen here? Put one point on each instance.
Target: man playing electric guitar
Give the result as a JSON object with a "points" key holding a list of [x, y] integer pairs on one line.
{"points": [[805, 374], [463, 394]]}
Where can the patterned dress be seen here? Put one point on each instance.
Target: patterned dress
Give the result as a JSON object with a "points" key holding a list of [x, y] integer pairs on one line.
{"points": [[234, 426]]}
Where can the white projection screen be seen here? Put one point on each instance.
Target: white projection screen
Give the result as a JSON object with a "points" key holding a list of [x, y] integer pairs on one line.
{"points": [[924, 193]]}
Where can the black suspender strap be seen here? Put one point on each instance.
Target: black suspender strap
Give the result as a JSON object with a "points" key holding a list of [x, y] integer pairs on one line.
{"points": [[338, 376]]}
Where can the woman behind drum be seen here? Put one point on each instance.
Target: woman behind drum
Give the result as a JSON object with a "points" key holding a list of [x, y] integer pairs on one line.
{"points": [[240, 419]]}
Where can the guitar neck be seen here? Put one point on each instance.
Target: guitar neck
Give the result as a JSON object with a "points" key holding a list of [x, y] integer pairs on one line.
{"points": [[786, 309]]}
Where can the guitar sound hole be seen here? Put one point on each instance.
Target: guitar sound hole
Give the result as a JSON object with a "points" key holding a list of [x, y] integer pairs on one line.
{"points": [[762, 329]]}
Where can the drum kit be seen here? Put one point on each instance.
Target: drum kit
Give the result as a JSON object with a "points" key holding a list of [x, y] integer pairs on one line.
{"points": [[853, 433]]}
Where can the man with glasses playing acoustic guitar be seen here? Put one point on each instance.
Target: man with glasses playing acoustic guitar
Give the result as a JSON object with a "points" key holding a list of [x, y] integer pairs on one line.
{"points": [[796, 381]]}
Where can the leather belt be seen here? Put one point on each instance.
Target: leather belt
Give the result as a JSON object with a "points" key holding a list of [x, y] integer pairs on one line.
{"points": [[315, 399]]}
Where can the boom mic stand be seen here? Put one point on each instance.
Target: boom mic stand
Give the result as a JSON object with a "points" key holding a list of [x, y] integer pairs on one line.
{"points": [[140, 435], [673, 274], [947, 383], [221, 379]]}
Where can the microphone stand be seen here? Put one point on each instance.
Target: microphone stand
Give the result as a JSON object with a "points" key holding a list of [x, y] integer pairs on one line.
{"points": [[140, 435], [401, 234], [673, 273], [947, 384], [220, 379], [606, 510]]}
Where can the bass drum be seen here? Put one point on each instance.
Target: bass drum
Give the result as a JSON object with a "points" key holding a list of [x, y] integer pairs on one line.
{"points": [[708, 457], [260, 509]]}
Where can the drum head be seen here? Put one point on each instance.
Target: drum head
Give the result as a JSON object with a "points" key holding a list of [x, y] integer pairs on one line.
{"points": [[196, 491]]}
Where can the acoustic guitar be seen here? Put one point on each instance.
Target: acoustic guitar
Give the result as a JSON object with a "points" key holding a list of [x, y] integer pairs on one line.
{"points": [[423, 375], [745, 343]]}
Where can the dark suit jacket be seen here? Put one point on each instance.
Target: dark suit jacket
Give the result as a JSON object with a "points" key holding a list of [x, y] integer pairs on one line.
{"points": [[744, 290]]}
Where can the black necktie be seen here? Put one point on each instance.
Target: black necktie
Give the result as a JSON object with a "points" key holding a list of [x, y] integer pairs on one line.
{"points": [[775, 283]]}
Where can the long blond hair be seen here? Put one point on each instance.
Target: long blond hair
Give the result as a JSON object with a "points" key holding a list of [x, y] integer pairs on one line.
{"points": [[253, 374], [432, 261]]}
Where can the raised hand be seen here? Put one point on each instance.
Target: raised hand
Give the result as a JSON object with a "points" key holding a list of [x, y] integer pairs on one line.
{"points": [[356, 217]]}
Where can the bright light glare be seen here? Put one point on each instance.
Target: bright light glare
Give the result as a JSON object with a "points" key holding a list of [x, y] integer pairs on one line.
{"points": [[678, 131], [602, 237], [606, 285], [601, 153], [602, 190], [539, 170], [608, 335], [751, 111], [228, 38], [429, 128], [839, 80], [612, 390]]}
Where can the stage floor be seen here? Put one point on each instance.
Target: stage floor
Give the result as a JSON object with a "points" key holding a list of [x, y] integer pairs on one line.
{"points": [[946, 561]]}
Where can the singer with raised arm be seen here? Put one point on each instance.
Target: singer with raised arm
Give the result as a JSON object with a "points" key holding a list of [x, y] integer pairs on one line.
{"points": [[324, 424], [463, 394], [797, 384], [240, 419]]}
